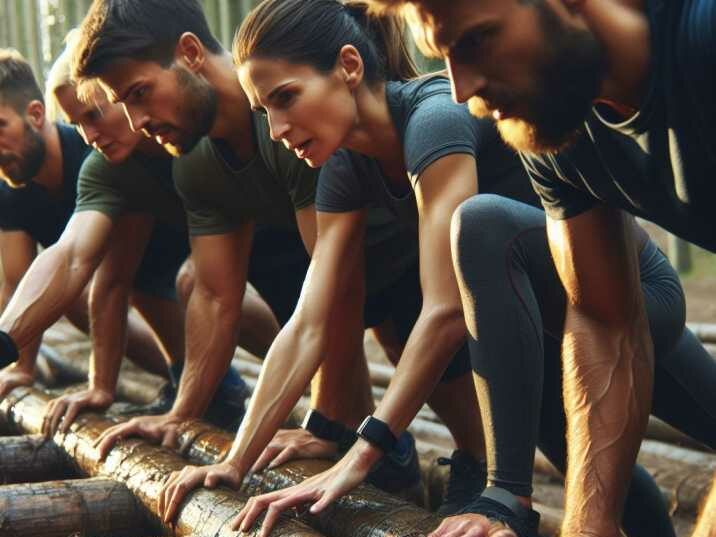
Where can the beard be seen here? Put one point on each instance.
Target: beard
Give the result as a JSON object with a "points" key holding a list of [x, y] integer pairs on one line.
{"points": [[28, 163], [199, 108], [566, 85]]}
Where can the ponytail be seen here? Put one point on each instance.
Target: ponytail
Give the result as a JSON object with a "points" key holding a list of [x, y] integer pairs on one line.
{"points": [[314, 31]]}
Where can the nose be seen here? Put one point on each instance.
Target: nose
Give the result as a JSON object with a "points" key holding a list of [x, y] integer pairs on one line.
{"points": [[137, 119], [278, 126], [465, 80]]}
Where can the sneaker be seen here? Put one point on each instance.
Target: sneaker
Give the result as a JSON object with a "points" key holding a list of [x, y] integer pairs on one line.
{"points": [[465, 484], [227, 408], [398, 472], [161, 405], [500, 505]]}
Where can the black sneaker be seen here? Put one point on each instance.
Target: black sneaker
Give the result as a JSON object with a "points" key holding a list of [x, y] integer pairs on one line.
{"points": [[227, 408], [161, 405], [500, 505], [465, 484], [398, 472]]}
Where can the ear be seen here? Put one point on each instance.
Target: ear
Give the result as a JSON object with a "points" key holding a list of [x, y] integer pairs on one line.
{"points": [[350, 64], [190, 51], [35, 114]]}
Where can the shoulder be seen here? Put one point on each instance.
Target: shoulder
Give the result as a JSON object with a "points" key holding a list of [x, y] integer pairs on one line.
{"points": [[12, 205], [339, 188]]}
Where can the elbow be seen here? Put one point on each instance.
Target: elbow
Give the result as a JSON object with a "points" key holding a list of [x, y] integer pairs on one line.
{"points": [[446, 325]]}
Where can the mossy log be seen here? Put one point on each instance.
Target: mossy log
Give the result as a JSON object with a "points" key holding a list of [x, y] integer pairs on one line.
{"points": [[98, 507]]}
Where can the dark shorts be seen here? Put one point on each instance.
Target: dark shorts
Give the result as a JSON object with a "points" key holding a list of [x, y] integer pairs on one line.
{"points": [[166, 250]]}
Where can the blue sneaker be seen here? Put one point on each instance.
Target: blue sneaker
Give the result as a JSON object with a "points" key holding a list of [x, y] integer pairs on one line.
{"points": [[227, 408], [500, 505], [465, 484], [398, 472]]}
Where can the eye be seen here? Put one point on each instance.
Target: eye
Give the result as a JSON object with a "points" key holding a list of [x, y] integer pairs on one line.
{"points": [[471, 44], [284, 99], [138, 93]]}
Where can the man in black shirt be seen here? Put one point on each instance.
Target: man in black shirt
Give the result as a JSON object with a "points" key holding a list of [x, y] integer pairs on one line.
{"points": [[611, 104]]}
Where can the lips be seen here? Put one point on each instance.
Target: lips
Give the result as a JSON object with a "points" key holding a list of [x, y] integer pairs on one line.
{"points": [[302, 149]]}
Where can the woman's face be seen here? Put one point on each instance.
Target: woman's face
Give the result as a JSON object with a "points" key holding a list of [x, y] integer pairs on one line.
{"points": [[102, 124], [311, 112]]}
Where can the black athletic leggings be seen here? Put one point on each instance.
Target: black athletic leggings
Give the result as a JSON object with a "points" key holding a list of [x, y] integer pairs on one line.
{"points": [[514, 307]]}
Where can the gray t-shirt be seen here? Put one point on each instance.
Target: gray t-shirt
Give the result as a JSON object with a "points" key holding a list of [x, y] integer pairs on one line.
{"points": [[430, 126]]}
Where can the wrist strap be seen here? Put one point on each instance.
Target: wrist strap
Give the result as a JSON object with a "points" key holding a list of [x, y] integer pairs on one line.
{"points": [[8, 349], [377, 433], [327, 429]]}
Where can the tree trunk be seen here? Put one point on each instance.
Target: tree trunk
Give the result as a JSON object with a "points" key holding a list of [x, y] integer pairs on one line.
{"points": [[96, 507], [30, 459]]}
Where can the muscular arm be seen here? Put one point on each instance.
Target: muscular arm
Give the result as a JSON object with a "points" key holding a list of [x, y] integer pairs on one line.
{"points": [[332, 293], [56, 277], [607, 358], [213, 314], [440, 329], [17, 251], [109, 298]]}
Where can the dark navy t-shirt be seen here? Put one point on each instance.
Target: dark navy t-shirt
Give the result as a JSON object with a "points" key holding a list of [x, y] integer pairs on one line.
{"points": [[661, 163], [33, 209], [430, 126]]}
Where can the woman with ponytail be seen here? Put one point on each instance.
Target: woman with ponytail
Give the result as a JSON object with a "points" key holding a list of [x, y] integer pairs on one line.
{"points": [[339, 90]]}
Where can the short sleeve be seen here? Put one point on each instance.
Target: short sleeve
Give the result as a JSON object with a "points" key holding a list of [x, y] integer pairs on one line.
{"points": [[438, 127], [339, 189], [98, 187], [560, 199], [12, 215]]}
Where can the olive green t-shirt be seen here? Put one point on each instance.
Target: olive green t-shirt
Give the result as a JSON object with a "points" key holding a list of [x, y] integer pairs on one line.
{"points": [[219, 195], [141, 184]]}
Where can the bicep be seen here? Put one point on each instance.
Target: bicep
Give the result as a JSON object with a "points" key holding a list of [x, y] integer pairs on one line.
{"points": [[441, 188], [307, 227], [596, 256]]}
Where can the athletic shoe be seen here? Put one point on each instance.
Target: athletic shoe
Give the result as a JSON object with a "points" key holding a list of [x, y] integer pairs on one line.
{"points": [[465, 484], [398, 472], [500, 505]]}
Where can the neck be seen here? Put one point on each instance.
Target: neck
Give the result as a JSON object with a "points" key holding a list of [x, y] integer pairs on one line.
{"points": [[233, 115], [374, 134], [50, 174], [622, 27]]}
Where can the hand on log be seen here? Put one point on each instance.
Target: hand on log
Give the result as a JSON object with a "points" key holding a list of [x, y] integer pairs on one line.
{"points": [[181, 483], [162, 429], [321, 490], [291, 444], [66, 408], [471, 525], [12, 377]]}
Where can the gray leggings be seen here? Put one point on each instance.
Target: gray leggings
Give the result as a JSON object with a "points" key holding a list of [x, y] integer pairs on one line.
{"points": [[514, 307]]}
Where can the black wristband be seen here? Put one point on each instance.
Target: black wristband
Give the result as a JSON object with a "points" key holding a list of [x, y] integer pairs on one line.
{"points": [[377, 433], [327, 429], [8, 349]]}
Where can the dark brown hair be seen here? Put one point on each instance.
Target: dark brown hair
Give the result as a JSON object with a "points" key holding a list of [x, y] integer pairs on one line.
{"points": [[138, 29], [18, 85], [313, 31]]}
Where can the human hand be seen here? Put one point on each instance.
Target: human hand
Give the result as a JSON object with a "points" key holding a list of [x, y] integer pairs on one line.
{"points": [[13, 376], [179, 484], [471, 525], [69, 406], [162, 429], [321, 490], [290, 444]]}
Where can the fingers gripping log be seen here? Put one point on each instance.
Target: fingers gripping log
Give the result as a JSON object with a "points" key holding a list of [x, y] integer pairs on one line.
{"points": [[142, 468], [29, 459], [99, 507]]}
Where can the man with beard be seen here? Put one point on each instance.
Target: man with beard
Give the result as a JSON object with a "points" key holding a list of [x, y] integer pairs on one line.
{"points": [[39, 164], [249, 202], [611, 104]]}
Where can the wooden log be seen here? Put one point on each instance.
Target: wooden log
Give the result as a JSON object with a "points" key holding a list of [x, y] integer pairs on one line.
{"points": [[663, 432], [31, 459], [143, 469], [98, 507], [706, 332]]}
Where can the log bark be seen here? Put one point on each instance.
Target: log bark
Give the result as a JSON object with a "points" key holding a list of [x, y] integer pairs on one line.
{"points": [[31, 459], [143, 469], [706, 332], [97, 507]]}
